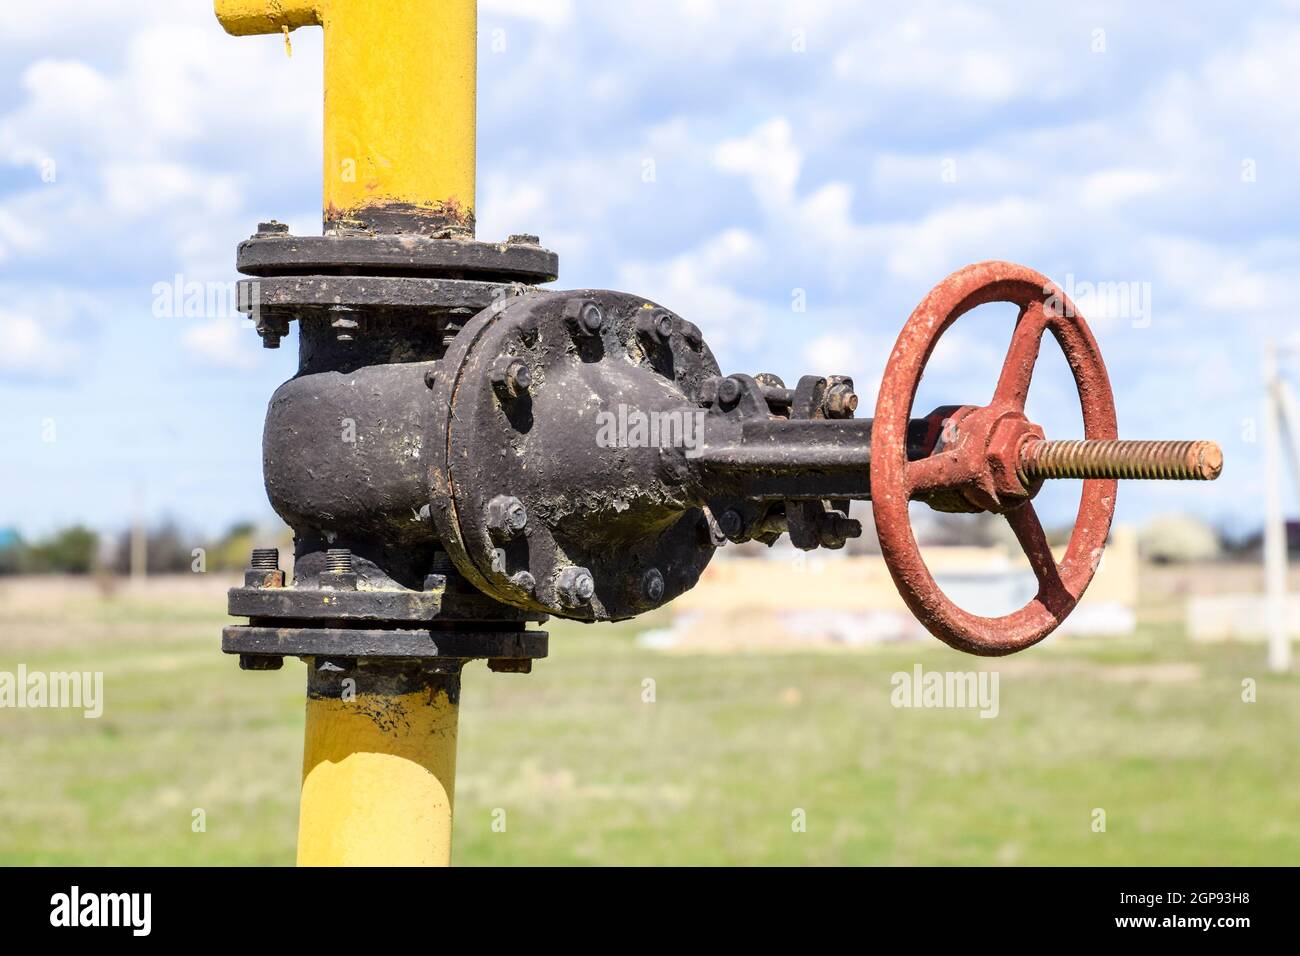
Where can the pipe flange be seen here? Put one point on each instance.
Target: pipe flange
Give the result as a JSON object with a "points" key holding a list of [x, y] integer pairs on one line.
{"points": [[615, 526], [273, 252]]}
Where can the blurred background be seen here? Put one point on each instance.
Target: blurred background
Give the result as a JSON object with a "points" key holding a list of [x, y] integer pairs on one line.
{"points": [[793, 179]]}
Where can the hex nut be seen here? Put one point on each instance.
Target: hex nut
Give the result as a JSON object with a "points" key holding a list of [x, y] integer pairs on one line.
{"points": [[655, 326], [840, 401], [729, 390], [525, 581], [506, 516], [584, 317], [575, 587], [512, 377]]}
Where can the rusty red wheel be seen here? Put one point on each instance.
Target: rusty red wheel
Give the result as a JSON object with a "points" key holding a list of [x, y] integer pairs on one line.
{"points": [[977, 462]]}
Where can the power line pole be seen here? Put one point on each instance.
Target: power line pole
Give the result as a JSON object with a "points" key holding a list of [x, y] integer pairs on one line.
{"points": [[1275, 538]]}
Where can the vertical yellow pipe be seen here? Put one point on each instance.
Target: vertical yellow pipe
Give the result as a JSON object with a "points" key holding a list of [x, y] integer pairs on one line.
{"points": [[379, 760], [400, 84], [379, 766]]}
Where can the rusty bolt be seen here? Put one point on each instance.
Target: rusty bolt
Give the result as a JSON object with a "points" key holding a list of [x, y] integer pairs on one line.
{"points": [[841, 401], [524, 581], [835, 529], [506, 516], [272, 228], [575, 587], [652, 585], [264, 569], [584, 317], [656, 326], [729, 391], [692, 334], [523, 239], [512, 377]]}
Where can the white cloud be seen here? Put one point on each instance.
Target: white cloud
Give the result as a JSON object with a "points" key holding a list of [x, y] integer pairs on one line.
{"points": [[701, 285], [223, 343], [31, 351], [768, 157], [552, 13]]}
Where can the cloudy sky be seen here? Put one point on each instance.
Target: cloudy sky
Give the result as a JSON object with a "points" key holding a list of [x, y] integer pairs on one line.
{"points": [[728, 159]]}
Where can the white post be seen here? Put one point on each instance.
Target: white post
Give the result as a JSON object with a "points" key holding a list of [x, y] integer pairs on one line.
{"points": [[1275, 543]]}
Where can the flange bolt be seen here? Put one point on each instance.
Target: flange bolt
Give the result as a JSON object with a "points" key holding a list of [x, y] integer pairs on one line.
{"points": [[512, 377], [656, 326], [575, 587], [731, 523], [584, 317], [652, 585], [729, 391], [506, 516]]}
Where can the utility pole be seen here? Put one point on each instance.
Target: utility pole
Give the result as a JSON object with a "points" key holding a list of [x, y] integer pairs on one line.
{"points": [[1277, 411], [139, 538]]}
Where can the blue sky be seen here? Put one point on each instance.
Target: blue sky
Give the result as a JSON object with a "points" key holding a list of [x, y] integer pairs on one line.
{"points": [[850, 154]]}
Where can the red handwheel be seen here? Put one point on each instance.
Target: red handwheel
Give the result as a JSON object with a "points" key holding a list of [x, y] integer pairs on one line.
{"points": [[980, 459]]}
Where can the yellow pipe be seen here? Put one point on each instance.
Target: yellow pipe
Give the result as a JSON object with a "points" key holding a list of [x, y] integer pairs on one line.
{"points": [[379, 769], [399, 107], [379, 765]]}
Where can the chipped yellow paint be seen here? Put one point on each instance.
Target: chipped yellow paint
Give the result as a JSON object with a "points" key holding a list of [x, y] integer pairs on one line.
{"points": [[378, 781], [400, 81]]}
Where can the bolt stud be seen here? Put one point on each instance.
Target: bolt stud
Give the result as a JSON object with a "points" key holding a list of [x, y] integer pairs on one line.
{"points": [[265, 559], [338, 560], [1167, 460]]}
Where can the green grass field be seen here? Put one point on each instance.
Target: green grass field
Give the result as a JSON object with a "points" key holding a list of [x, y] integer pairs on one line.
{"points": [[1148, 728]]}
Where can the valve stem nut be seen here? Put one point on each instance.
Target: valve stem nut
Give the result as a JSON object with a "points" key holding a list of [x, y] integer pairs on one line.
{"points": [[506, 516], [575, 587], [584, 317], [512, 377]]}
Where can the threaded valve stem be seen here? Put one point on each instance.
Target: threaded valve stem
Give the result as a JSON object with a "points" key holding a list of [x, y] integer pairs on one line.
{"points": [[1161, 460]]}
